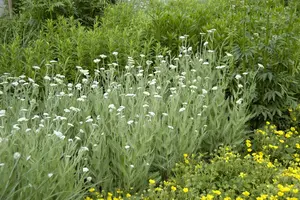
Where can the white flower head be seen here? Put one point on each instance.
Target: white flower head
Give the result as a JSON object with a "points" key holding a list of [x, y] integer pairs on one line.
{"points": [[85, 169], [229, 54], [50, 175], [2, 113], [239, 101], [214, 88], [172, 66], [111, 106], [97, 60], [238, 76], [22, 119], [130, 95], [130, 122], [260, 66], [59, 134], [84, 71], [220, 67], [83, 149], [152, 114], [127, 147], [17, 156], [89, 179], [36, 67], [103, 56], [181, 109]]}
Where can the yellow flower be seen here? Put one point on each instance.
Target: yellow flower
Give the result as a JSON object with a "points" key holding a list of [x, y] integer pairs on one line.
{"points": [[151, 181], [248, 143], [88, 198], [185, 190], [292, 198], [273, 147], [173, 188], [267, 123], [239, 198], [270, 165], [246, 193], [262, 197], [279, 132], [295, 191], [293, 129], [166, 183], [281, 141], [273, 197], [242, 175], [158, 189], [92, 190], [249, 150], [227, 198], [288, 135], [209, 197], [203, 198], [217, 192], [119, 191], [185, 155], [280, 194], [109, 194], [128, 195], [298, 146]]}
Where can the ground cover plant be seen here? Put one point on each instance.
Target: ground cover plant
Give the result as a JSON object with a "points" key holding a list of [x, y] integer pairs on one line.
{"points": [[268, 167], [150, 100]]}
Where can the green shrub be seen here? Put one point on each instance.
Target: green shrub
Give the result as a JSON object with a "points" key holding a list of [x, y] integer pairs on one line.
{"points": [[66, 40], [261, 32], [41, 10]]}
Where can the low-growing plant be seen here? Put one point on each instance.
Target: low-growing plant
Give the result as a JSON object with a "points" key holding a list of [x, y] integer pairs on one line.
{"points": [[225, 174]]}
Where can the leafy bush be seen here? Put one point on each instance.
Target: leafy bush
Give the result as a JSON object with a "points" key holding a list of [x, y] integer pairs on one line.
{"points": [[119, 32], [261, 32], [41, 10]]}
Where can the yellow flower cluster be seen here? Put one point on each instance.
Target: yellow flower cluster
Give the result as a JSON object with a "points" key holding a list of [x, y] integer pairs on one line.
{"points": [[258, 157]]}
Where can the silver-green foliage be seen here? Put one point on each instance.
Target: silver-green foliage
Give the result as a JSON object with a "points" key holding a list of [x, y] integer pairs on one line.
{"points": [[115, 131]]}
